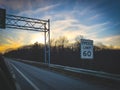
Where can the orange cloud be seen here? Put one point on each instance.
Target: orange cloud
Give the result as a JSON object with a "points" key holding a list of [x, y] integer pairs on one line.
{"points": [[15, 39], [9, 41], [5, 47]]}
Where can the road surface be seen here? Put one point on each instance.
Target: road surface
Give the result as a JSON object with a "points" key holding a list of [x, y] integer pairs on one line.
{"points": [[32, 78]]}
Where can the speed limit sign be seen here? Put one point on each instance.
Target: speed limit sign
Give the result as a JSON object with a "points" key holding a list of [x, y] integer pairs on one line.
{"points": [[86, 49]]}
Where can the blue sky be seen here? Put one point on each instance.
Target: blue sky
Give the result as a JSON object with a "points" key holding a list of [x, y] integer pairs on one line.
{"points": [[98, 20]]}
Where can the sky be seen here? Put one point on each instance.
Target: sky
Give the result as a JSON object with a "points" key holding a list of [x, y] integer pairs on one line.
{"points": [[98, 20]]}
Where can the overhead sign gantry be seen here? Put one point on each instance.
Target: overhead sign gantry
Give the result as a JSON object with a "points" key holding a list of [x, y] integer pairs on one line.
{"points": [[26, 23]]}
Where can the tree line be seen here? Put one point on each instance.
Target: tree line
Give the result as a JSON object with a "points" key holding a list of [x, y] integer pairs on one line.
{"points": [[64, 53]]}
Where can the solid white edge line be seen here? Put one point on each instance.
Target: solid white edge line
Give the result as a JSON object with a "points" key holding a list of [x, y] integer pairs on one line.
{"points": [[29, 81], [13, 75]]}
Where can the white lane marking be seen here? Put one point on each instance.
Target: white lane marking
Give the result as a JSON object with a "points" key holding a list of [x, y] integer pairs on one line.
{"points": [[13, 74], [30, 82]]}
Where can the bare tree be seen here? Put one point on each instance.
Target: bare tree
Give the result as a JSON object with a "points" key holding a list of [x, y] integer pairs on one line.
{"points": [[52, 42], [101, 45], [77, 41], [61, 42], [78, 38]]}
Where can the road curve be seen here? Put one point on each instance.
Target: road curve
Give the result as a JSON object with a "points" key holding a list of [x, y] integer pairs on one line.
{"points": [[32, 78]]}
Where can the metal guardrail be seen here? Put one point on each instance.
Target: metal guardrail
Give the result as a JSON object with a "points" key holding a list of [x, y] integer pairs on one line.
{"points": [[79, 70], [88, 72]]}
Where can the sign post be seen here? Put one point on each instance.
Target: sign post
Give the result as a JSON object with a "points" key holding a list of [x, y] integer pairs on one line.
{"points": [[2, 18], [86, 49]]}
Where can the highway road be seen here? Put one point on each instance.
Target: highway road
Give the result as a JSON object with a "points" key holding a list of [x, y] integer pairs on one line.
{"points": [[29, 77]]}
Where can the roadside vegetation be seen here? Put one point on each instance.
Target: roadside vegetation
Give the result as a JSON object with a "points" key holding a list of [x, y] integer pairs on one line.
{"points": [[68, 54]]}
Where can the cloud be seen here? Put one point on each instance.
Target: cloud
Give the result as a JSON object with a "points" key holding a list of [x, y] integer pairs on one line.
{"points": [[12, 4], [97, 16], [37, 37], [11, 39], [71, 27], [15, 38], [113, 40], [39, 10], [85, 11], [109, 41], [10, 44], [69, 23], [26, 5]]}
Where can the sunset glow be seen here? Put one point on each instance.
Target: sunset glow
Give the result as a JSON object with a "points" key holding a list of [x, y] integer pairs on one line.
{"points": [[98, 20]]}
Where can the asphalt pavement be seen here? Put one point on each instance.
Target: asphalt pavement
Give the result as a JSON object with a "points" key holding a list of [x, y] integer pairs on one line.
{"points": [[29, 77]]}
